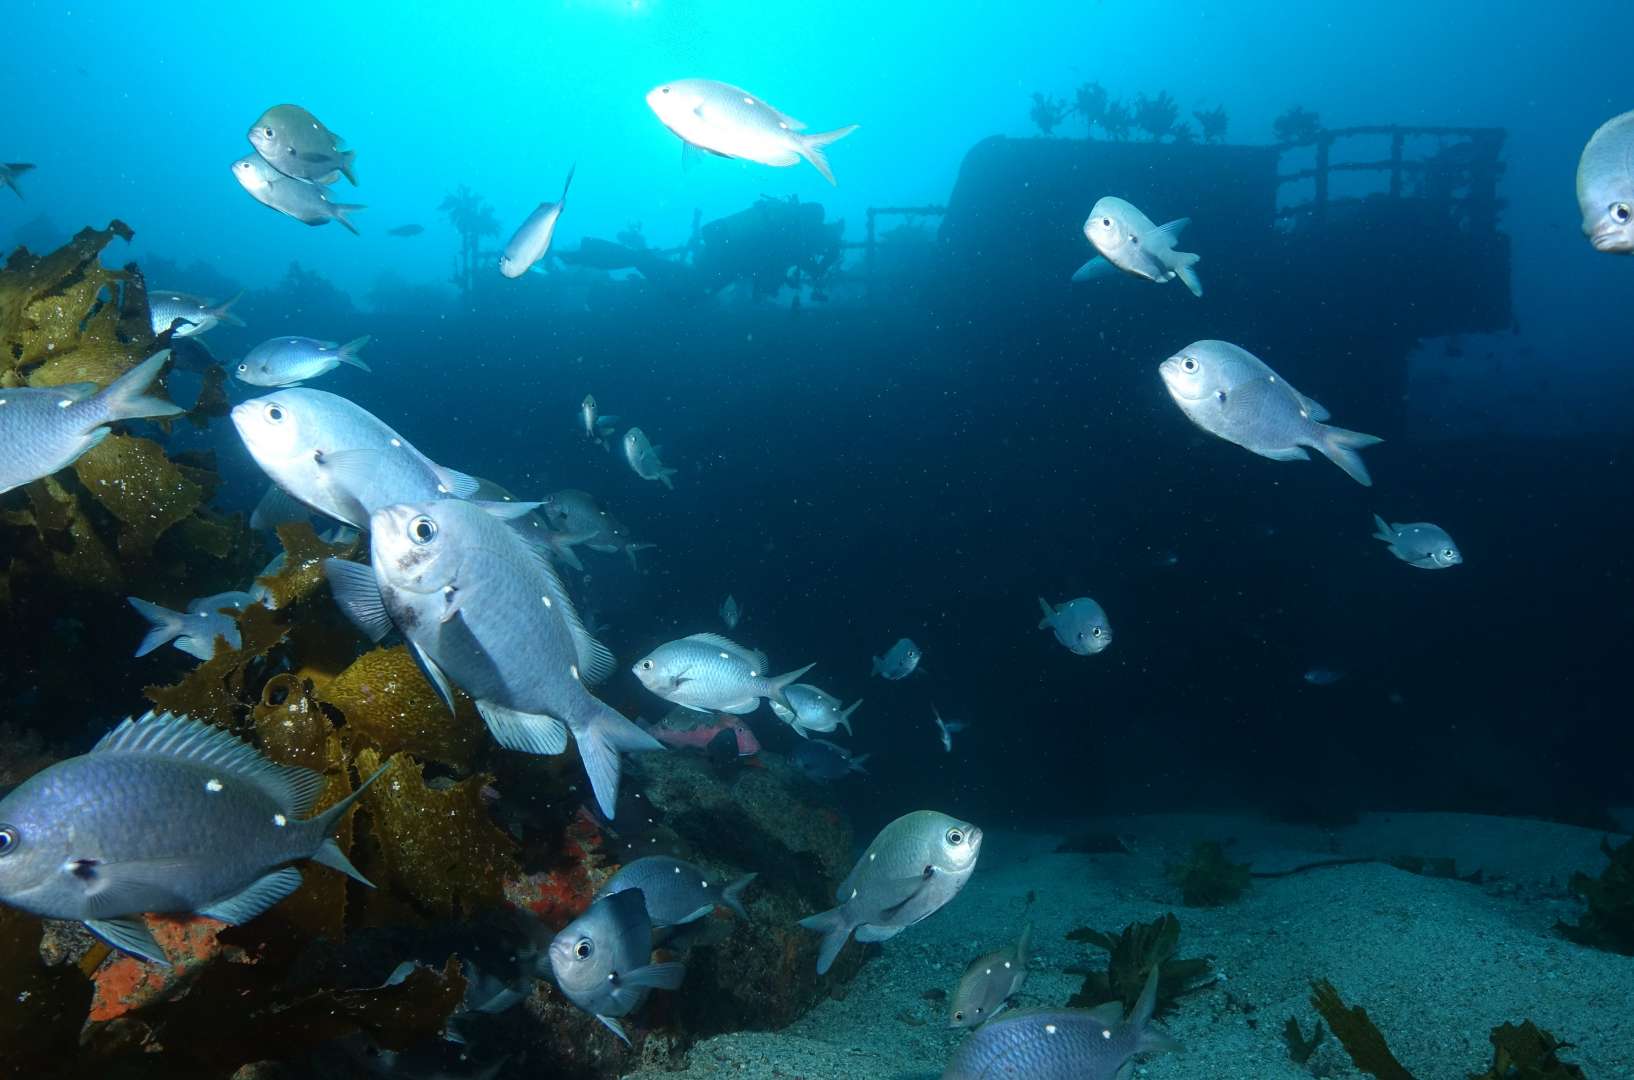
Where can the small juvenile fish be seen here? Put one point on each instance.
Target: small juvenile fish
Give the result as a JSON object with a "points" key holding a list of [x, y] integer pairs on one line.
{"points": [[900, 662], [165, 815], [825, 762], [733, 123], [10, 171], [643, 458], [603, 959], [530, 242], [1081, 625], [946, 729], [731, 612], [1128, 241], [306, 202], [676, 892], [1419, 544], [1605, 186], [296, 143], [1323, 676], [189, 315], [710, 673], [405, 230], [989, 982], [195, 630], [45, 429], [811, 709], [915, 865], [1229, 392], [597, 428], [290, 361]]}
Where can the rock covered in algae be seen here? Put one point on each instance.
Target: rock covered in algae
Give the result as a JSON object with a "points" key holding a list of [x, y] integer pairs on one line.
{"points": [[391, 709]]}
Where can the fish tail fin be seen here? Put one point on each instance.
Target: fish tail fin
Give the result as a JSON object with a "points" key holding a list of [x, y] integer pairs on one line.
{"points": [[665, 474], [836, 930], [1385, 533], [341, 209], [811, 148], [631, 549], [348, 352], [571, 169], [1184, 269], [127, 397], [605, 733], [346, 159], [221, 312], [164, 624], [1024, 944], [329, 853], [856, 763], [845, 717], [1147, 1038], [1049, 612], [776, 685], [732, 895], [1339, 446], [14, 169]]}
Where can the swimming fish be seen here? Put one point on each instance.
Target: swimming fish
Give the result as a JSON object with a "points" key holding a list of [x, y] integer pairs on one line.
{"points": [[195, 630], [338, 458], [915, 865], [597, 428], [1419, 544], [811, 709], [643, 458], [45, 429], [1081, 625], [306, 202], [1229, 392], [484, 611], [731, 612], [1605, 186], [1063, 1044], [289, 361], [1128, 241], [10, 171], [989, 982], [530, 242], [578, 513], [405, 230], [946, 729], [603, 959], [1323, 676], [676, 892], [709, 673], [900, 662], [825, 762], [165, 815], [733, 123], [186, 315], [296, 143]]}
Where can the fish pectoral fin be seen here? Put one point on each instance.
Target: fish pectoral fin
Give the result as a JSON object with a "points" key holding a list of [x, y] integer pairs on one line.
{"points": [[614, 1027], [115, 889], [357, 593], [451, 603], [434, 675], [655, 976], [131, 934], [262, 894], [906, 889]]}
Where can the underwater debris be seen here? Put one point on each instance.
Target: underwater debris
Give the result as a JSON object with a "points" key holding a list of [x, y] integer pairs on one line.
{"points": [[1300, 1048], [1156, 116], [1213, 123], [473, 219], [1609, 922], [1131, 955], [1047, 113], [1297, 126], [1527, 1052], [391, 709], [1357, 1033], [1207, 878]]}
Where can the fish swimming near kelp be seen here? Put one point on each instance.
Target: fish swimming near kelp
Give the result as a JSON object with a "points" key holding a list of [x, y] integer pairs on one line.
{"points": [[185, 315], [603, 959], [293, 141], [290, 361], [195, 630]]}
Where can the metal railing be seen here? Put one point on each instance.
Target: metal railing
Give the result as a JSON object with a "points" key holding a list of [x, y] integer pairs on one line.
{"points": [[1463, 172]]}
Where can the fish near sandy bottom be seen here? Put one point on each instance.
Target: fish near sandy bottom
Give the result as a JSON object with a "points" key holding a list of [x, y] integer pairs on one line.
{"points": [[989, 982], [914, 866], [1419, 544], [676, 891], [165, 815], [602, 959], [1605, 186], [1231, 393], [733, 123], [1127, 240], [1063, 1044]]}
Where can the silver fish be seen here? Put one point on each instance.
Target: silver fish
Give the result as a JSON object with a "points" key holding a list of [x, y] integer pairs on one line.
{"points": [[484, 611], [195, 630], [676, 892], [1419, 544], [185, 315], [302, 200], [296, 143], [10, 171], [733, 123], [164, 815], [290, 361], [1605, 186], [811, 709], [1063, 1044], [46, 429], [710, 673], [1229, 392], [946, 729], [731, 612], [603, 960], [1081, 625], [900, 662], [825, 762], [643, 458], [989, 982], [915, 865], [597, 428], [1127, 240], [530, 242]]}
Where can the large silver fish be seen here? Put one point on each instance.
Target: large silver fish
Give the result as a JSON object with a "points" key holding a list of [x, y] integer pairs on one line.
{"points": [[164, 815], [710, 673], [1419, 544], [1229, 392], [1605, 186], [733, 123], [302, 200], [676, 892], [989, 982], [643, 458], [812, 709], [195, 630], [289, 361], [1081, 625], [603, 960], [10, 171], [484, 611], [296, 143], [186, 316], [915, 865], [1127, 240], [46, 429], [530, 241]]}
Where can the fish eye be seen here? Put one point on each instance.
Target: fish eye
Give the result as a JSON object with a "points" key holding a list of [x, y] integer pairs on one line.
{"points": [[664, 90], [1448, 553], [267, 132], [275, 413], [8, 839], [1096, 631], [958, 1016], [1188, 365], [1106, 223], [243, 367], [422, 530], [955, 836], [584, 948], [1620, 213], [646, 665]]}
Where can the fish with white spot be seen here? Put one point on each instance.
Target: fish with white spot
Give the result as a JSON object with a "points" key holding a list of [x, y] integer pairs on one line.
{"points": [[1419, 544], [1081, 625], [532, 238], [185, 315], [597, 427], [644, 460], [306, 202], [290, 361], [899, 662], [946, 729], [579, 517], [1127, 240], [811, 709], [989, 982], [676, 891], [711, 673], [603, 960], [195, 630], [733, 123], [296, 143]]}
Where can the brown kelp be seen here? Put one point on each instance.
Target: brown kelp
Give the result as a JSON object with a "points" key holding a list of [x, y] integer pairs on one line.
{"points": [[1131, 955], [1609, 921]]}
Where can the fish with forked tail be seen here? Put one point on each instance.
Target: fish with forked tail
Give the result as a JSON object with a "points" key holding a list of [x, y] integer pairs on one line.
{"points": [[306, 202], [989, 982], [710, 673], [1127, 240], [733, 123]]}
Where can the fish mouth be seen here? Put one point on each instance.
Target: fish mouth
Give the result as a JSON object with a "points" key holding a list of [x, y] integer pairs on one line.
{"points": [[1613, 240]]}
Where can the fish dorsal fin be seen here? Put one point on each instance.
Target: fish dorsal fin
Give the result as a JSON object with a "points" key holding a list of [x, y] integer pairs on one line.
{"points": [[1109, 1015], [291, 788], [595, 659], [756, 660], [1167, 235]]}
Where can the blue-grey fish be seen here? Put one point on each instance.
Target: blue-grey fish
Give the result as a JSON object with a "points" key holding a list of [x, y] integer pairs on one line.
{"points": [[710, 673], [643, 458], [1419, 544], [1127, 240], [915, 865], [296, 143], [45, 429], [597, 428], [10, 171], [1323, 676], [530, 242], [165, 815], [825, 762], [483, 610], [1605, 186], [337, 457], [946, 729], [733, 123], [731, 612], [306, 202], [195, 630], [901, 661], [186, 315], [811, 709], [1229, 392], [1063, 1044], [578, 513], [603, 959], [989, 982], [1081, 625], [290, 361], [676, 892]]}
